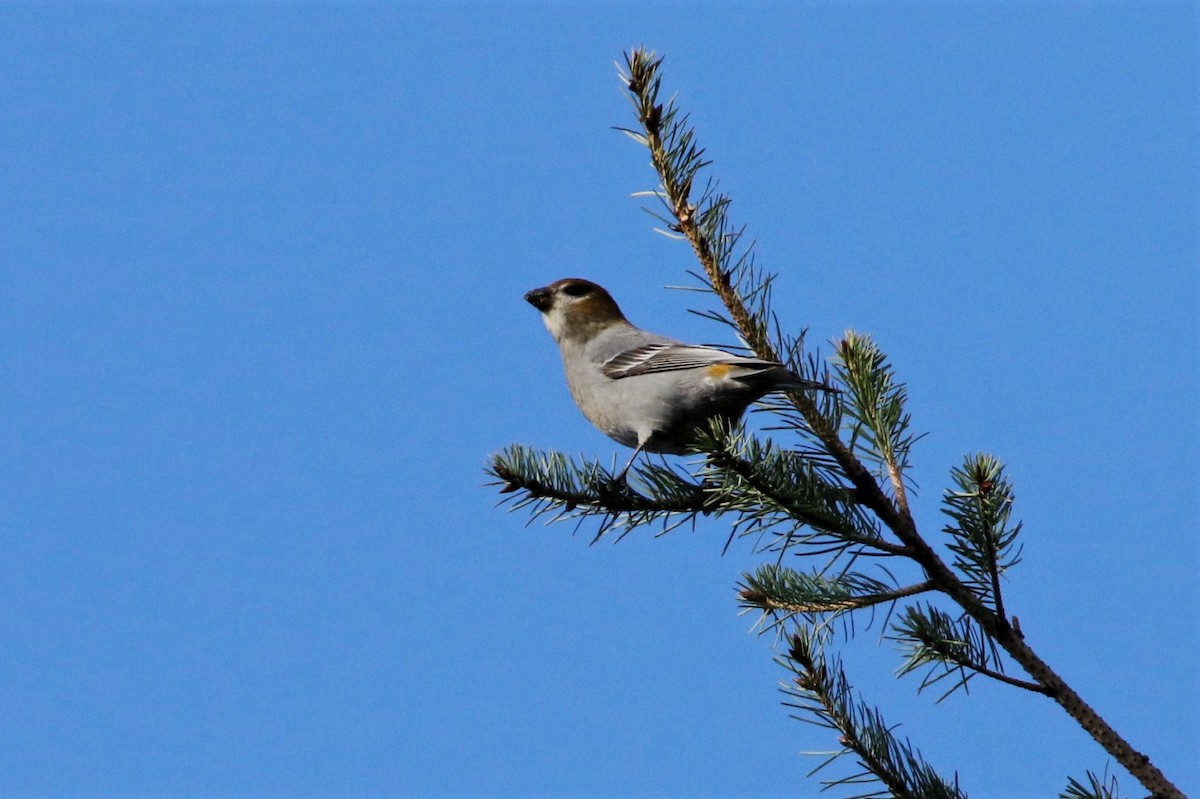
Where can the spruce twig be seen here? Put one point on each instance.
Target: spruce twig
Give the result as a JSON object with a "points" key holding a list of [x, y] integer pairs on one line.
{"points": [[821, 690], [776, 589]]}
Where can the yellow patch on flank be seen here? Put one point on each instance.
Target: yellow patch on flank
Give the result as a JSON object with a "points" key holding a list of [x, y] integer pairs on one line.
{"points": [[719, 370]]}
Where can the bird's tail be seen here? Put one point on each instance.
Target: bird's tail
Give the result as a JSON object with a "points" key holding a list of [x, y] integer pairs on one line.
{"points": [[787, 380]]}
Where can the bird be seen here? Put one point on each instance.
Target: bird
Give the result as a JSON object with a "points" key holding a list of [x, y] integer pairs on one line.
{"points": [[644, 390]]}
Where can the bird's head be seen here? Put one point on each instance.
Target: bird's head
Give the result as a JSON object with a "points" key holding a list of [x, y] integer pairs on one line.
{"points": [[575, 309]]}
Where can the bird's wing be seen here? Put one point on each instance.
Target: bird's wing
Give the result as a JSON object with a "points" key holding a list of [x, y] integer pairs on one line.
{"points": [[673, 357]]}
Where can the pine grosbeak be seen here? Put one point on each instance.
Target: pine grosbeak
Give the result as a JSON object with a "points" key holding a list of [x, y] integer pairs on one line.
{"points": [[644, 390]]}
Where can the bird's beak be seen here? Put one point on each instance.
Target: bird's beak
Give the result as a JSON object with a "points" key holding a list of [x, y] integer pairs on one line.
{"points": [[541, 299]]}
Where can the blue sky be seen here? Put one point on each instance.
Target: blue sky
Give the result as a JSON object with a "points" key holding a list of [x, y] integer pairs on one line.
{"points": [[261, 325]]}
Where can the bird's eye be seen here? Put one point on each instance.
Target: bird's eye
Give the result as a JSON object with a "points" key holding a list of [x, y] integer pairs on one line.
{"points": [[577, 289]]}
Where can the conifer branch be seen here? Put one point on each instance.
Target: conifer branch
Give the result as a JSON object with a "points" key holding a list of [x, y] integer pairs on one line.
{"points": [[774, 588], [956, 647], [982, 540], [820, 689], [824, 486], [876, 406], [752, 475], [678, 159], [551, 483]]}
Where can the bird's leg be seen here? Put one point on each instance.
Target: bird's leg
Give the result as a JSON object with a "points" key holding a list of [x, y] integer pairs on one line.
{"points": [[620, 478]]}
